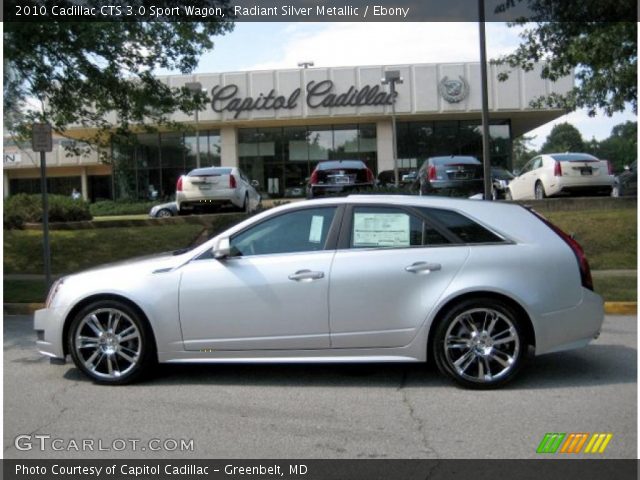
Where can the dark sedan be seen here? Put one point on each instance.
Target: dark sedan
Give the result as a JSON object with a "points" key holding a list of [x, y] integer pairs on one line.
{"points": [[338, 176], [453, 175]]}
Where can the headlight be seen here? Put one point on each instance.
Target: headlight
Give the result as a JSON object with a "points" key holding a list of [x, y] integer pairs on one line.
{"points": [[53, 291]]}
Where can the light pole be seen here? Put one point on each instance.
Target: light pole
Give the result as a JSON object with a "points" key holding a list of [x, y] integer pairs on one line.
{"points": [[486, 153], [391, 78], [196, 88], [306, 64]]}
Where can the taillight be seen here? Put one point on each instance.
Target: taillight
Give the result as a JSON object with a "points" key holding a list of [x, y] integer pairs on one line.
{"points": [[610, 167], [232, 181], [179, 184], [557, 169], [314, 178], [370, 177], [583, 263], [432, 172]]}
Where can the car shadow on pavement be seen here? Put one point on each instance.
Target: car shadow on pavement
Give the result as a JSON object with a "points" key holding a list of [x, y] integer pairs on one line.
{"points": [[595, 365]]}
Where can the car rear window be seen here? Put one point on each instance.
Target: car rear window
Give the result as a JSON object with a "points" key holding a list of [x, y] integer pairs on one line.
{"points": [[574, 157], [203, 172], [453, 160], [343, 164], [461, 226]]}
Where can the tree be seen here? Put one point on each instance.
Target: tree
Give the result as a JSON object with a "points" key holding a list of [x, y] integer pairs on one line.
{"points": [[621, 148], [84, 72], [563, 137], [563, 38], [521, 151]]}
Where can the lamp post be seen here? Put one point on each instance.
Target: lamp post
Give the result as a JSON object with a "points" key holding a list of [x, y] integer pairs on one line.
{"points": [[486, 153], [392, 78], [196, 88], [305, 64]]}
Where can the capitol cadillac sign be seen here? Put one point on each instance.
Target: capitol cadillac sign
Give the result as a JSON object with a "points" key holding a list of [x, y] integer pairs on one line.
{"points": [[318, 94]]}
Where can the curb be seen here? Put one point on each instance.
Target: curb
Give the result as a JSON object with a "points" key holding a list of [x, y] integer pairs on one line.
{"points": [[610, 308], [621, 308]]}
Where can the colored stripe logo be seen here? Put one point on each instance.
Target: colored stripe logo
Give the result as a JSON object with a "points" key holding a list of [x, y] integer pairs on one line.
{"points": [[574, 442]]}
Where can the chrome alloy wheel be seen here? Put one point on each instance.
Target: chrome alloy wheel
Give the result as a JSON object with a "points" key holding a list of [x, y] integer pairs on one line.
{"points": [[108, 343], [481, 345]]}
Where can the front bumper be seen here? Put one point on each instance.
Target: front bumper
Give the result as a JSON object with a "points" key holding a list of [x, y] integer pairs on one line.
{"points": [[48, 324], [571, 328]]}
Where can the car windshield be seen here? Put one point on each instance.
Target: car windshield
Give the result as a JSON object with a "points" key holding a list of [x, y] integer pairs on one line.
{"points": [[501, 173]]}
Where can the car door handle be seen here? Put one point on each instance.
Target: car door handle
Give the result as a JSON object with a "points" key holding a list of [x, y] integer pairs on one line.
{"points": [[306, 276], [423, 267]]}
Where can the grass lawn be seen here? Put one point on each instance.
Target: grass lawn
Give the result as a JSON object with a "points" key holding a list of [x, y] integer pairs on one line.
{"points": [[73, 250], [617, 289], [609, 237], [24, 291]]}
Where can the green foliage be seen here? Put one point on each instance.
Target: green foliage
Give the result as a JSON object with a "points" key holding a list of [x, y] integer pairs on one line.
{"points": [[522, 152], [621, 148], [22, 208], [563, 137], [603, 55], [81, 72], [119, 207]]}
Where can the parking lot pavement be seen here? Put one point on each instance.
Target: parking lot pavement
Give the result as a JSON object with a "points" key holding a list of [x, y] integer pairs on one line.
{"points": [[323, 411]]}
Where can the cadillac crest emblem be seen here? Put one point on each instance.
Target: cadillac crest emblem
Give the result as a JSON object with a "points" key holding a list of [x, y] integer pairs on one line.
{"points": [[453, 91]]}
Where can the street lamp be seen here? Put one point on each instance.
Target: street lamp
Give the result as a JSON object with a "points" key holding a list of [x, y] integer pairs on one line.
{"points": [[486, 153], [196, 88], [392, 78], [306, 64]]}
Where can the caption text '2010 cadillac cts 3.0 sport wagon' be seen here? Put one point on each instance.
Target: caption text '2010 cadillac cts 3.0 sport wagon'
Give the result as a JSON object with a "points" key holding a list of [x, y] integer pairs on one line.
{"points": [[474, 285]]}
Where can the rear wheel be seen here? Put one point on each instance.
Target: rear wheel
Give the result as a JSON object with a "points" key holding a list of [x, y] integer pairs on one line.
{"points": [[540, 194], [480, 343], [164, 213], [111, 343]]}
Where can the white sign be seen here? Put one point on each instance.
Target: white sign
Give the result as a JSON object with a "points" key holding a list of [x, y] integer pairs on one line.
{"points": [[381, 230], [41, 140], [11, 158], [315, 232]]}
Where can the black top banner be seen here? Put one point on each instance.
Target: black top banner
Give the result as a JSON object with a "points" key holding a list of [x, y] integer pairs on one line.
{"points": [[319, 10]]}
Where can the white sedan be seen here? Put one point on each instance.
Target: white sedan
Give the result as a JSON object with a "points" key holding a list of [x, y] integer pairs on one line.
{"points": [[210, 187], [475, 285], [561, 173]]}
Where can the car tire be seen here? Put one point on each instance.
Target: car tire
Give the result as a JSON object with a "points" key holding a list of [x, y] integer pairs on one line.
{"points": [[466, 348], [507, 195], [111, 343], [539, 192], [164, 213], [615, 191]]}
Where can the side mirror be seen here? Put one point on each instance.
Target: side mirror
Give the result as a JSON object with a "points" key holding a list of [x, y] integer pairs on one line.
{"points": [[627, 168], [255, 183], [221, 248]]}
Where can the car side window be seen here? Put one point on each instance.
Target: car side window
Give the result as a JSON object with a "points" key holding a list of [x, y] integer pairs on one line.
{"points": [[461, 226], [374, 227], [537, 163], [527, 167], [300, 231]]}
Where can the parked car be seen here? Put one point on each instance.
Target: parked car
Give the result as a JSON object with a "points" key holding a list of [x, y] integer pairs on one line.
{"points": [[500, 179], [561, 173], [169, 209], [211, 187], [363, 278], [453, 175], [626, 184], [337, 176]]}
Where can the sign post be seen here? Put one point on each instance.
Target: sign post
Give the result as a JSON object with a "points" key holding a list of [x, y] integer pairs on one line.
{"points": [[41, 141]]}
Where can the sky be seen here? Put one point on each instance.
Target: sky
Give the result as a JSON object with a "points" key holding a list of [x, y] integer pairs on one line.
{"points": [[256, 46]]}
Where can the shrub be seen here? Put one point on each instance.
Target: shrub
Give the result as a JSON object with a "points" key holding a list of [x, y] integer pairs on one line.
{"points": [[120, 207], [22, 208]]}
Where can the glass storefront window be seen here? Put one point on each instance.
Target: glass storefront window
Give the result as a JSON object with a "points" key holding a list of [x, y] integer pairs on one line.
{"points": [[345, 142], [320, 143]]}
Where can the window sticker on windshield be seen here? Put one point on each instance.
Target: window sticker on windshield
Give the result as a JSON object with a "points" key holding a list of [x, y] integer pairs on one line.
{"points": [[381, 230], [315, 233]]}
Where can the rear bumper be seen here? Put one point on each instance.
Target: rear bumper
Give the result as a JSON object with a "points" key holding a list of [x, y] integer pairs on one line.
{"points": [[188, 200], [571, 328], [319, 190], [581, 185], [48, 324], [461, 185]]}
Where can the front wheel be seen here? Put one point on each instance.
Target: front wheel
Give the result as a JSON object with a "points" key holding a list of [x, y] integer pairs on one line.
{"points": [[480, 343], [110, 343]]}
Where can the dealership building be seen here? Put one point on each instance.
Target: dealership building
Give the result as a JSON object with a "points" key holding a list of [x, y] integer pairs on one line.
{"points": [[277, 124]]}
